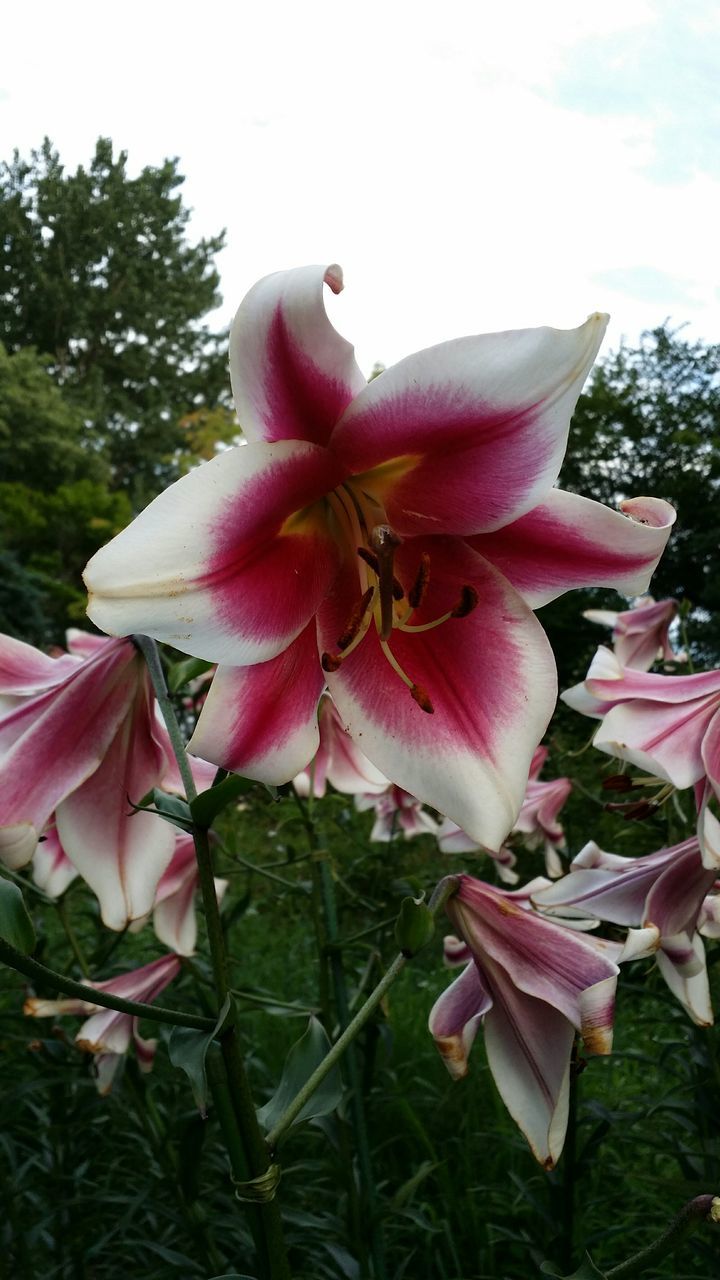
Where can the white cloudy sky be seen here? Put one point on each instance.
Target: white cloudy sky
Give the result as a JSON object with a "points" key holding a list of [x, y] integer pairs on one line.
{"points": [[472, 166]]}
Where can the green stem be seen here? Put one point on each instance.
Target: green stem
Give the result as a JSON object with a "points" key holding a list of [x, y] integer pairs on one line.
{"points": [[32, 969], [24, 884], [443, 891], [72, 937], [269, 875], [682, 1225], [256, 1152]]}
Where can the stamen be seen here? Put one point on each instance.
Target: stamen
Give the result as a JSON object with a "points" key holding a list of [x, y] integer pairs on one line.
{"points": [[384, 541], [416, 690], [355, 620], [331, 661], [419, 694], [469, 600], [416, 594]]}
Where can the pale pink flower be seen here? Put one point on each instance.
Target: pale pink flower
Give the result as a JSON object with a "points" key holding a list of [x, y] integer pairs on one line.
{"points": [[350, 539], [338, 760], [174, 919], [396, 813], [640, 634], [452, 839], [52, 870]]}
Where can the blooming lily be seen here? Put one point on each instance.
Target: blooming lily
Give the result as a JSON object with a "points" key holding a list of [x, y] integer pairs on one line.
{"points": [[396, 811], [351, 539], [640, 634], [338, 760], [78, 739], [52, 870], [533, 984], [108, 1034], [174, 918], [661, 893], [666, 725]]}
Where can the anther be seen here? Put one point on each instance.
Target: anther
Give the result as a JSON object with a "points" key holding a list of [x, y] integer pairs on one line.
{"points": [[356, 619], [330, 661], [617, 782], [420, 696], [469, 600], [635, 812], [416, 594]]}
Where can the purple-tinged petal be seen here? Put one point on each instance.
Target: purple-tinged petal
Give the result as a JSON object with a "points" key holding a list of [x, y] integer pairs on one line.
{"points": [[229, 563], [261, 721], [455, 951], [569, 541], [292, 374], [663, 739], [675, 899], [692, 991], [489, 677], [467, 436], [455, 1018]]}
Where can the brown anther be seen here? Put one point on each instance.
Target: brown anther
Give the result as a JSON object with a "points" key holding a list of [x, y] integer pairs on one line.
{"points": [[617, 782], [420, 696], [355, 620], [416, 594], [369, 558], [330, 661], [398, 592], [469, 600], [635, 812]]}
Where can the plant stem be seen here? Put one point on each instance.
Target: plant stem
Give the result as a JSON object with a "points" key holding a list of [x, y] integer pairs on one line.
{"points": [[256, 1152], [443, 891], [683, 1224], [71, 937], [33, 969]]}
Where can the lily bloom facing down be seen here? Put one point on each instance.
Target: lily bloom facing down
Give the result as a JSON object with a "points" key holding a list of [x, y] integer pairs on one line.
{"points": [[396, 813], [532, 985], [640, 634], [108, 1034], [389, 539]]}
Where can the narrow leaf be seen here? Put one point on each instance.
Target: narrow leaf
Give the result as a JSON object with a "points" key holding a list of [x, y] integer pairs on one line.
{"points": [[187, 1049], [16, 927]]}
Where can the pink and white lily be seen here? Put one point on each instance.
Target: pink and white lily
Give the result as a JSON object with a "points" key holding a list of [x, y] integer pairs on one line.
{"points": [[640, 634], [53, 872], [532, 984], [79, 738], [452, 839], [668, 726], [350, 541], [396, 812], [106, 1033], [661, 894], [174, 919], [338, 760]]}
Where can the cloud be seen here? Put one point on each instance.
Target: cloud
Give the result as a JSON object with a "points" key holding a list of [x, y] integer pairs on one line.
{"points": [[648, 284]]}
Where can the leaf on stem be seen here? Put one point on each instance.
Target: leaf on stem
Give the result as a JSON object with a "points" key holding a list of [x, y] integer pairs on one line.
{"points": [[206, 807], [187, 1049], [586, 1271], [305, 1055], [16, 927]]}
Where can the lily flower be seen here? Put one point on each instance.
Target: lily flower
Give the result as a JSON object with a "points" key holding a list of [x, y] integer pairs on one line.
{"points": [[174, 919], [640, 634], [78, 739], [452, 839], [663, 894], [532, 984], [108, 1034], [396, 811], [52, 870], [668, 726], [338, 760], [350, 541]]}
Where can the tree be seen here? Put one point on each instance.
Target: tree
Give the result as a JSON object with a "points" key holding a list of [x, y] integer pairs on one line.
{"points": [[97, 273], [649, 423]]}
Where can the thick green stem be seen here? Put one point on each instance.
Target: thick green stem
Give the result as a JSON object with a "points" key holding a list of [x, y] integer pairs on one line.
{"points": [[443, 891], [256, 1152], [32, 969], [690, 1216]]}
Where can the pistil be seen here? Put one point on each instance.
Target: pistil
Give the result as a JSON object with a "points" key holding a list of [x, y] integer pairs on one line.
{"points": [[384, 543]]}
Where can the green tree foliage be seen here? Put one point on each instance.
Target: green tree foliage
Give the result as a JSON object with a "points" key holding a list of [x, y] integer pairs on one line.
{"points": [[649, 423], [97, 274]]}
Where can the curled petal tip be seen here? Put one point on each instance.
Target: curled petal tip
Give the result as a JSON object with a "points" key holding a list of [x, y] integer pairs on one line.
{"points": [[334, 277]]}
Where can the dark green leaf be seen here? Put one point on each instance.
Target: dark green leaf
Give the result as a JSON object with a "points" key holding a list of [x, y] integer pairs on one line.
{"points": [[586, 1271], [16, 927], [206, 807], [187, 1049], [181, 673], [305, 1055]]}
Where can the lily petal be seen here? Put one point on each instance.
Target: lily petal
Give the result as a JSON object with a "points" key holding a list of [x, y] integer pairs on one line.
{"points": [[489, 676], [241, 556], [476, 429], [261, 721], [569, 541], [292, 374], [25, 670], [455, 1018]]}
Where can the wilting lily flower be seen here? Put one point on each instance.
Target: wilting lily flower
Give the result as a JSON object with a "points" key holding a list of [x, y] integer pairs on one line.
{"points": [[640, 634], [667, 725], [352, 538], [662, 894], [79, 739], [338, 760], [532, 984], [107, 1034], [52, 870], [396, 812], [174, 919]]}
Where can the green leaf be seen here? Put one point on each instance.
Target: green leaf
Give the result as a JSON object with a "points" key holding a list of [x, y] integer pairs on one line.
{"points": [[206, 807], [305, 1055], [16, 927], [181, 673], [187, 1049], [586, 1271], [414, 926]]}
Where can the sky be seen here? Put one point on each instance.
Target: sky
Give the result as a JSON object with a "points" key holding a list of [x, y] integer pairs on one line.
{"points": [[473, 167]]}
